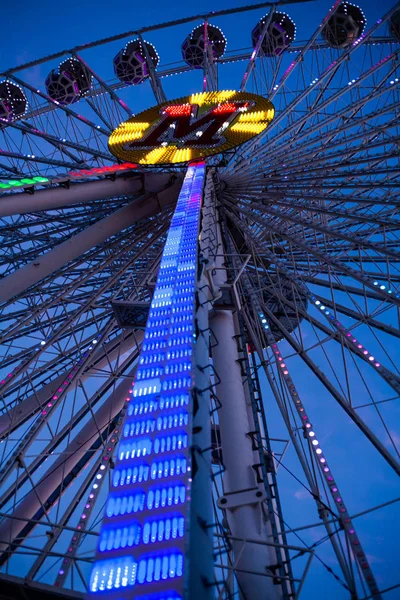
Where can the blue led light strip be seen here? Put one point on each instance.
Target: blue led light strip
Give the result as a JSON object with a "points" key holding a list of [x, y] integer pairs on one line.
{"points": [[143, 536]]}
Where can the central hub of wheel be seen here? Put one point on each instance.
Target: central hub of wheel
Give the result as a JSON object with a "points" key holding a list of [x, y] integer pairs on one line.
{"points": [[191, 128]]}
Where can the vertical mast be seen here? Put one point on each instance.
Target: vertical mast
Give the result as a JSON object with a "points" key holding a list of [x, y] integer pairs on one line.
{"points": [[144, 540]]}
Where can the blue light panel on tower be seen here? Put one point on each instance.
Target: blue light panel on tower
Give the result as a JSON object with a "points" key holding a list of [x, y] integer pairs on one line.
{"points": [[142, 542]]}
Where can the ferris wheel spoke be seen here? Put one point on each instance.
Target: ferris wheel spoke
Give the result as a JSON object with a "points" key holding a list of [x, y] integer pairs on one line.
{"points": [[71, 323], [339, 232], [62, 144], [300, 56], [302, 96], [363, 318], [319, 145], [321, 142], [256, 188], [257, 50], [96, 128], [74, 247], [382, 88], [104, 85], [103, 468], [335, 285], [155, 80], [369, 164], [257, 329], [15, 528], [46, 551], [282, 373], [112, 395], [390, 378], [359, 315], [332, 207], [114, 250], [343, 336], [348, 408], [50, 140], [324, 258], [32, 158], [26, 375]]}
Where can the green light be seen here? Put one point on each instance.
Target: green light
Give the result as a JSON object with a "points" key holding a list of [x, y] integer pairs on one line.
{"points": [[27, 181]]}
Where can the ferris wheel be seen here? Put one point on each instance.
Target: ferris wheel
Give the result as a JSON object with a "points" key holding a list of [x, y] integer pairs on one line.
{"points": [[199, 304]]}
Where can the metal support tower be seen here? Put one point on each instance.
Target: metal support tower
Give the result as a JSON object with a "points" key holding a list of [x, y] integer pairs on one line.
{"points": [[253, 520]]}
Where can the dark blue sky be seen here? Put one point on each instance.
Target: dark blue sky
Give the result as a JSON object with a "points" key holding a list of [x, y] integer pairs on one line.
{"points": [[34, 30]]}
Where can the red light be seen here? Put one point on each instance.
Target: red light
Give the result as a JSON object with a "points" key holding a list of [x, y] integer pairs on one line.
{"points": [[227, 108], [101, 170], [178, 110]]}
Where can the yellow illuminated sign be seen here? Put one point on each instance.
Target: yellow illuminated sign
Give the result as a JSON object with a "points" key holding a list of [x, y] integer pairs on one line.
{"points": [[191, 128]]}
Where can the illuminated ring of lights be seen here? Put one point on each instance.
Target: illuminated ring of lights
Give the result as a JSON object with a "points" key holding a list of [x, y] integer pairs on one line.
{"points": [[244, 125]]}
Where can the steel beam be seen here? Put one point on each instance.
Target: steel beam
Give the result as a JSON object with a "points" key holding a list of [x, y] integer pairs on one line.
{"points": [[77, 245], [89, 191]]}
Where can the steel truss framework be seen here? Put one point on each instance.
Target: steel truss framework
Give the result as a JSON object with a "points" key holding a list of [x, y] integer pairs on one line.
{"points": [[298, 282]]}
